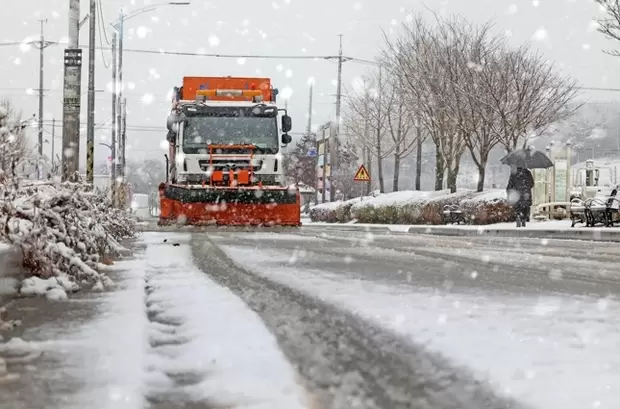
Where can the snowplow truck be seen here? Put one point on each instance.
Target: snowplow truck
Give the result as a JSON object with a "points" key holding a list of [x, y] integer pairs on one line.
{"points": [[224, 165]]}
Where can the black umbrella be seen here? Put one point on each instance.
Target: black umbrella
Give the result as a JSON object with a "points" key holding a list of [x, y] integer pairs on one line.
{"points": [[527, 158]]}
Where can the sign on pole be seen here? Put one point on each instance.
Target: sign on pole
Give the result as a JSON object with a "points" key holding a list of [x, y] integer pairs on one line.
{"points": [[362, 175], [312, 153]]}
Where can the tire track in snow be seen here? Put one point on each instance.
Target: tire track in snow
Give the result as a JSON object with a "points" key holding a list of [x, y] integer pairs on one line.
{"points": [[344, 361]]}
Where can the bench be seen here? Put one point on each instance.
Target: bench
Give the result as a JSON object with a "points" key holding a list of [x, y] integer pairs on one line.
{"points": [[453, 214], [596, 210]]}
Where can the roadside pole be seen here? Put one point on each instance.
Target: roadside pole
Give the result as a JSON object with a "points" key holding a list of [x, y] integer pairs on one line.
{"points": [[72, 96]]}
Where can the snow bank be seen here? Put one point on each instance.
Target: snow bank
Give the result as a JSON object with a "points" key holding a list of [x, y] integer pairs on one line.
{"points": [[62, 229], [416, 207], [54, 288]]}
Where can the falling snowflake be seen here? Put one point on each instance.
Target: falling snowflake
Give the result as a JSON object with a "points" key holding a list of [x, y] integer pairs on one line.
{"points": [[147, 99], [241, 61], [69, 152], [512, 9], [357, 6], [214, 40], [536, 3], [288, 73], [142, 31], [540, 34]]}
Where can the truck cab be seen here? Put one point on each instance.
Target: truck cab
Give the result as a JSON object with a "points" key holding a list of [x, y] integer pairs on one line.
{"points": [[227, 131]]}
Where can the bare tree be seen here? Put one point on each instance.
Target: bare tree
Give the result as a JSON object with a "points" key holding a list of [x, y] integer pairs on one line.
{"points": [[365, 117], [476, 80], [400, 124], [531, 96], [427, 59], [13, 141], [610, 25], [412, 57]]}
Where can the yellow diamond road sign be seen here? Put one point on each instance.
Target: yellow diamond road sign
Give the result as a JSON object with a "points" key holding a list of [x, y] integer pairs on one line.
{"points": [[362, 175]]}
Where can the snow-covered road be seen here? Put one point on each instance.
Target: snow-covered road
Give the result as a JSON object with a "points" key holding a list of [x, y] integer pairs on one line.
{"points": [[337, 320], [168, 337], [537, 320]]}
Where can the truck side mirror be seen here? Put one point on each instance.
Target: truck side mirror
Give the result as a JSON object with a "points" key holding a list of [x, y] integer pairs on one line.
{"points": [[287, 124], [173, 121], [286, 139]]}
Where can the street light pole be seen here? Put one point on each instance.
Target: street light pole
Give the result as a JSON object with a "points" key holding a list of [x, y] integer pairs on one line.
{"points": [[118, 97]]}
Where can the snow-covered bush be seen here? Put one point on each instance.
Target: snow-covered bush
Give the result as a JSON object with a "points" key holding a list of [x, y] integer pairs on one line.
{"points": [[488, 208], [62, 228], [416, 207]]}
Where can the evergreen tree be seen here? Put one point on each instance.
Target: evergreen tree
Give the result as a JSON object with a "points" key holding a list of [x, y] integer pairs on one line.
{"points": [[300, 168]]}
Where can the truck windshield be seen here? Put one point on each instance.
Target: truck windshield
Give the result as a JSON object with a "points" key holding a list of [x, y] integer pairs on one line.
{"points": [[201, 131]]}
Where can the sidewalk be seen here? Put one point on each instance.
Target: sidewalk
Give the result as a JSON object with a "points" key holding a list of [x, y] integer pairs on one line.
{"points": [[556, 229]]}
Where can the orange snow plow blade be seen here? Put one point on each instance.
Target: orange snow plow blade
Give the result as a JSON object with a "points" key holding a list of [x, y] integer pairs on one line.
{"points": [[229, 206]]}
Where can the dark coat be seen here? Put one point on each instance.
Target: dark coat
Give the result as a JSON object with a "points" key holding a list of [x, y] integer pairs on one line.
{"points": [[519, 189]]}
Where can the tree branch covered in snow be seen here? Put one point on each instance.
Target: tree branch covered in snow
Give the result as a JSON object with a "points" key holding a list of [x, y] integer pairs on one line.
{"points": [[62, 228]]}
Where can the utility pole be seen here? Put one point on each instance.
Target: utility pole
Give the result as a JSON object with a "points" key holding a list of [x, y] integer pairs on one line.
{"points": [[309, 132], [90, 132], [114, 105], [123, 130], [72, 96], [309, 126], [53, 138], [42, 45], [119, 97], [365, 149], [335, 143]]}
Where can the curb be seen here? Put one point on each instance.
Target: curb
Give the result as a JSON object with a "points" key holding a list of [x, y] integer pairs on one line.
{"points": [[593, 234], [10, 268]]}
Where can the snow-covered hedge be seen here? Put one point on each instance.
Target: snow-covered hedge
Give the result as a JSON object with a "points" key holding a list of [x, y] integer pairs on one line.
{"points": [[416, 207], [63, 229]]}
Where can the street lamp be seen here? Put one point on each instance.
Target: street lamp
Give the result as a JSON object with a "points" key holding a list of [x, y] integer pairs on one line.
{"points": [[117, 93]]}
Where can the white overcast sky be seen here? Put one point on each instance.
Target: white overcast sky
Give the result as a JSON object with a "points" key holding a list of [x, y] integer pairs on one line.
{"points": [[561, 28]]}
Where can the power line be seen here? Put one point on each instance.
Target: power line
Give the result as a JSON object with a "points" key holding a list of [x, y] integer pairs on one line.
{"points": [[212, 55]]}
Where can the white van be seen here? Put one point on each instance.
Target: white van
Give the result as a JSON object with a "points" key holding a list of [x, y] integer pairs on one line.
{"points": [[140, 205]]}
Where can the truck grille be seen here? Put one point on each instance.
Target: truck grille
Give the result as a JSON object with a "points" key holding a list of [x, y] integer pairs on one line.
{"points": [[228, 164]]}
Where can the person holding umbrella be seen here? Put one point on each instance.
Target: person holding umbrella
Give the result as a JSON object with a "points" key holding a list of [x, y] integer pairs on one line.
{"points": [[519, 193], [521, 182]]}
